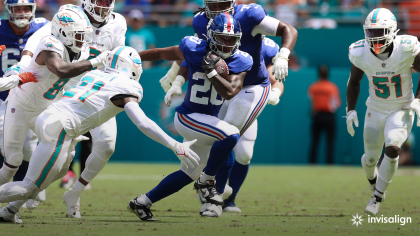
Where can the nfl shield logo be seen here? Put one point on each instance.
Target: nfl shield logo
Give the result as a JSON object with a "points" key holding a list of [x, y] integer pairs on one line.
{"points": [[369, 114], [97, 32], [13, 110], [383, 65], [220, 69]]}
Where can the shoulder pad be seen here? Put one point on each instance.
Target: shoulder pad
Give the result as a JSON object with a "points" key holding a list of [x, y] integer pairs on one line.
{"points": [[121, 24], [356, 49], [51, 43], [407, 42]]}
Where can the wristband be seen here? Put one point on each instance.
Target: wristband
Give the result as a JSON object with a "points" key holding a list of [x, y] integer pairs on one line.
{"points": [[276, 91], [95, 62], [212, 74]]}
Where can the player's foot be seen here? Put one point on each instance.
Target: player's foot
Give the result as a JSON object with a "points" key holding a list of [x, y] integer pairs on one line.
{"points": [[68, 180], [7, 216], [208, 191], [211, 210], [230, 206], [72, 202], [372, 207], [141, 209], [33, 203]]}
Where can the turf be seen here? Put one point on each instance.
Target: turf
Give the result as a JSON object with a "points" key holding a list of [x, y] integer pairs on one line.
{"points": [[275, 200]]}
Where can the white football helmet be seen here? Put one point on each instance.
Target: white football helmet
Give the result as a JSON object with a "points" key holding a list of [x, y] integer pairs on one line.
{"points": [[124, 60], [72, 27], [211, 14], [380, 29], [101, 13], [20, 19]]}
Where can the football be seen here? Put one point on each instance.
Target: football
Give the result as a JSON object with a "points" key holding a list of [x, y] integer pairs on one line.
{"points": [[221, 66]]}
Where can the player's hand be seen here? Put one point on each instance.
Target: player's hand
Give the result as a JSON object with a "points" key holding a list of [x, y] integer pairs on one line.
{"points": [[415, 105], [184, 153], [13, 70], [166, 82], [2, 47], [27, 77], [78, 139], [274, 96], [207, 63], [174, 90], [100, 59], [352, 118], [281, 68]]}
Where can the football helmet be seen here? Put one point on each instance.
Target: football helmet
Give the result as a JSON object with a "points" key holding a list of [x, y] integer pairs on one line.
{"points": [[103, 12], [124, 60], [224, 34], [72, 27], [211, 14], [20, 19], [380, 29]]}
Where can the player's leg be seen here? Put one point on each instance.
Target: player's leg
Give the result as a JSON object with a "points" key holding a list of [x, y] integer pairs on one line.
{"points": [[103, 138], [397, 130], [28, 148]]}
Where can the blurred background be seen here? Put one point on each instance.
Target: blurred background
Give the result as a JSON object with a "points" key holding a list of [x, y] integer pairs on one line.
{"points": [[326, 30]]}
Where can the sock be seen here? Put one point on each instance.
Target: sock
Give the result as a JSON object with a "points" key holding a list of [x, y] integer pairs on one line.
{"points": [[224, 172], [21, 173], [6, 174], [386, 172], [237, 177], [219, 152], [14, 206], [204, 177], [144, 200], [169, 185], [369, 170], [79, 186]]}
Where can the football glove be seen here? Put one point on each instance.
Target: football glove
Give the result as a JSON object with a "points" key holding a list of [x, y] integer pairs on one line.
{"points": [[274, 96], [176, 89], [415, 105], [99, 60], [184, 153], [13, 70], [207, 63], [281, 64], [2, 47], [167, 80], [352, 118], [27, 77]]}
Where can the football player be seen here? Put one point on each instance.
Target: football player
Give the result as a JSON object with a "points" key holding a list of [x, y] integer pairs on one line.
{"points": [[98, 97], [108, 33], [14, 33], [197, 117], [386, 58]]}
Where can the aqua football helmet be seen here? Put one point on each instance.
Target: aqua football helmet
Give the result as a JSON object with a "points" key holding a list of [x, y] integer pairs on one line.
{"points": [[124, 60], [20, 19]]}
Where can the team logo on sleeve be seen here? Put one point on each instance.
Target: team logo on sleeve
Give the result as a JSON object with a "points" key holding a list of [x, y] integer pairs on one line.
{"points": [[48, 45], [65, 19]]}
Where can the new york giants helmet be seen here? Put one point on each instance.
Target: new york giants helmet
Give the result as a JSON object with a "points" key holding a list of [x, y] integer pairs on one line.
{"points": [[99, 13], [380, 29], [20, 19], [124, 60], [224, 34], [230, 7], [72, 27]]}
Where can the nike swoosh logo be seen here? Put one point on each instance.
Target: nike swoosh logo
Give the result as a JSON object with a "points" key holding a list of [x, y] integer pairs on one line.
{"points": [[248, 91]]}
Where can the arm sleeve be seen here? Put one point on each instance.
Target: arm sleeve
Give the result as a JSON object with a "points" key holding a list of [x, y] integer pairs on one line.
{"points": [[35, 39], [268, 26], [10, 82], [147, 126]]}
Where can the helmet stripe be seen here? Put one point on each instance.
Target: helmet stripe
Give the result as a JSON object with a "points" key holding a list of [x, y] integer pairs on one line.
{"points": [[375, 15], [229, 27], [115, 58]]}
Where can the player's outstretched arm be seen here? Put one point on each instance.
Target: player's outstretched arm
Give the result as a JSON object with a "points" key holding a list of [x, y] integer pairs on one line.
{"points": [[173, 53], [7, 83], [62, 69], [182, 150], [353, 90]]}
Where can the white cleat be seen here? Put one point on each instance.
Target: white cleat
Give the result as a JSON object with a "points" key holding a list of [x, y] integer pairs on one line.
{"points": [[232, 209], [73, 204], [33, 203], [372, 207], [6, 216], [211, 210]]}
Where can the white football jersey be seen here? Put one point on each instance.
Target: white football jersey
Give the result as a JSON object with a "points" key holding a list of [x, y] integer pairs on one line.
{"points": [[38, 96], [390, 83], [88, 104]]}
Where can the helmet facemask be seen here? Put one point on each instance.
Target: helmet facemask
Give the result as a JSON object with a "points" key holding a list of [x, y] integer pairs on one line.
{"points": [[230, 7], [224, 44], [379, 38], [20, 19], [77, 41], [97, 11]]}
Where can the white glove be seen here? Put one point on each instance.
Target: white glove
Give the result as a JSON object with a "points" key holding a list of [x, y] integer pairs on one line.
{"points": [[274, 97], [352, 118], [175, 89], [184, 153], [167, 80], [281, 64], [13, 70], [78, 139], [415, 105], [100, 59]]}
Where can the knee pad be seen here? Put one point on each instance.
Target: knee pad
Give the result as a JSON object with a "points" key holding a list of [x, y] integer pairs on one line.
{"points": [[104, 149], [244, 150], [371, 162], [14, 154], [396, 137]]}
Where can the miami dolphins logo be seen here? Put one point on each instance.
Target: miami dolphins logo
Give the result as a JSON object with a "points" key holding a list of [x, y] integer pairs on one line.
{"points": [[136, 61], [65, 19], [49, 45]]}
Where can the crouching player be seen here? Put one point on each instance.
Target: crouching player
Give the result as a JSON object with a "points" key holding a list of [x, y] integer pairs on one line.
{"points": [[197, 117], [386, 58], [98, 97]]}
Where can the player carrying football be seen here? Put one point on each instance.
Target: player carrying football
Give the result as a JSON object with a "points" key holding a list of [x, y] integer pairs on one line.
{"points": [[386, 58]]}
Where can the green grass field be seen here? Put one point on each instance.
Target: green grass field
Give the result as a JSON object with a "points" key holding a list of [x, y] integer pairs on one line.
{"points": [[275, 200]]}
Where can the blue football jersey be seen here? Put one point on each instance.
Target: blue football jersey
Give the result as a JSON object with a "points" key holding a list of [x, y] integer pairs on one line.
{"points": [[248, 16], [14, 45], [269, 50], [201, 96]]}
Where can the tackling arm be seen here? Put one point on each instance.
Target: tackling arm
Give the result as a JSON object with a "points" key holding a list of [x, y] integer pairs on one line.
{"points": [[62, 69], [173, 53]]}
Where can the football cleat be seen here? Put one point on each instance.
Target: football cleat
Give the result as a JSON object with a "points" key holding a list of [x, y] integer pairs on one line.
{"points": [[208, 191], [68, 180], [372, 207], [72, 203], [7, 216], [230, 206], [34, 202], [141, 210], [211, 210]]}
